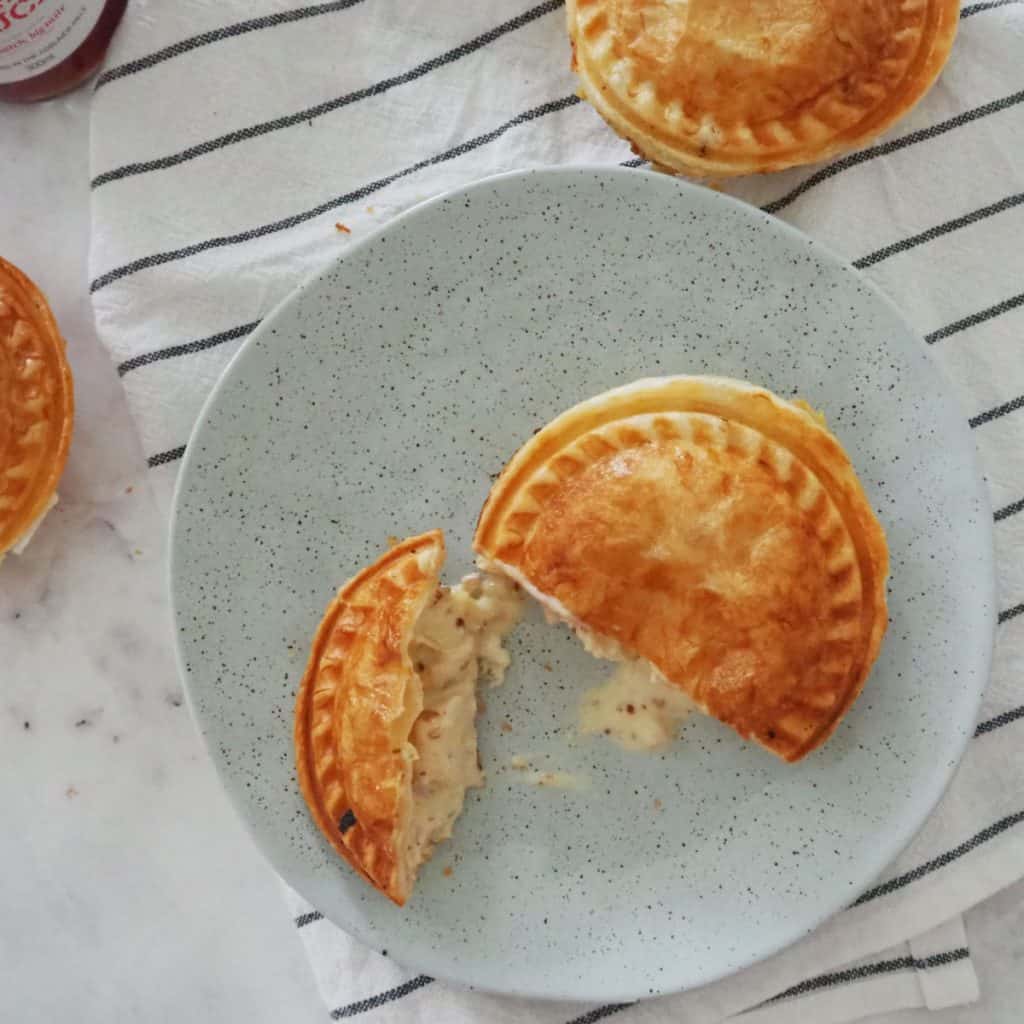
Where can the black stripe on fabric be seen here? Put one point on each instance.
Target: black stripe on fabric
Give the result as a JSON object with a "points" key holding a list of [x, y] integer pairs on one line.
{"points": [[939, 230], [853, 159], [162, 458], [1011, 613], [214, 35], [999, 721], [600, 1013], [942, 959], [1008, 510], [978, 8], [350, 197], [303, 919], [189, 347], [304, 116], [902, 963], [975, 318], [942, 860], [364, 1005], [1000, 410]]}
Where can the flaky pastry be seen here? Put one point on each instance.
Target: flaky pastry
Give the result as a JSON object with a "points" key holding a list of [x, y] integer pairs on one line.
{"points": [[713, 530], [36, 406], [385, 734], [711, 88]]}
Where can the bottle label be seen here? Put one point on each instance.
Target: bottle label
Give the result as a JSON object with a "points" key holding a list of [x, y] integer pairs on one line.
{"points": [[36, 35]]}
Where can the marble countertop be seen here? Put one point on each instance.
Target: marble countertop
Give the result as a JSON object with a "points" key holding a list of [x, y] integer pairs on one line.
{"points": [[129, 889]]}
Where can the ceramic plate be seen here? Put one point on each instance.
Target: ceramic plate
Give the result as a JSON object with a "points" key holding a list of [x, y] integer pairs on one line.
{"points": [[383, 397]]}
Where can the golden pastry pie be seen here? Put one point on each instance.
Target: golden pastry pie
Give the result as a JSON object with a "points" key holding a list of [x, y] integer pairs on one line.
{"points": [[36, 406], [385, 734], [711, 530], [727, 87]]}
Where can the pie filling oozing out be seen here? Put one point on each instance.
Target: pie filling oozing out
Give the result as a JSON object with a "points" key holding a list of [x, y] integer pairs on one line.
{"points": [[457, 639], [385, 725], [636, 708]]}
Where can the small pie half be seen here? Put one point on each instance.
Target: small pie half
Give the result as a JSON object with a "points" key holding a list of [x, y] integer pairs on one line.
{"points": [[36, 406], [385, 735], [726, 87], [713, 530]]}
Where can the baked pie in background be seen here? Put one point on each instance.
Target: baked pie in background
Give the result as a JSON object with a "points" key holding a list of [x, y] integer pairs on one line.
{"points": [[712, 532], [36, 408], [385, 734], [716, 88]]}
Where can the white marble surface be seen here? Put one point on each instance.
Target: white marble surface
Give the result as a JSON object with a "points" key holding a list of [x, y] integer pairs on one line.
{"points": [[129, 891]]}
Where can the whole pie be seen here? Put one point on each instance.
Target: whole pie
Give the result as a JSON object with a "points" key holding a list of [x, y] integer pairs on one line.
{"points": [[36, 406], [727, 87], [385, 734], [713, 532]]}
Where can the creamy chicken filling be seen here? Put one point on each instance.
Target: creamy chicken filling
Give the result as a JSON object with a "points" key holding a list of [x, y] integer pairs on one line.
{"points": [[637, 708], [457, 640]]}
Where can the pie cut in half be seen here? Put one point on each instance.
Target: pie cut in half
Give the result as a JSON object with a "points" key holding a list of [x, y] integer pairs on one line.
{"points": [[711, 531], [36, 407], [385, 733], [715, 88]]}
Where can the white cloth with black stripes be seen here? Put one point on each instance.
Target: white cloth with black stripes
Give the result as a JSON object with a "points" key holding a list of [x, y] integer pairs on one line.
{"points": [[229, 138]]}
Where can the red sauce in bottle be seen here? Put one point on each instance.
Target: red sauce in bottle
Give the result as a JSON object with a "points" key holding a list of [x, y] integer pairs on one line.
{"points": [[49, 46]]}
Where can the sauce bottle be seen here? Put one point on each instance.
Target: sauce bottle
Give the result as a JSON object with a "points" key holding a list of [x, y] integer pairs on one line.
{"points": [[50, 46]]}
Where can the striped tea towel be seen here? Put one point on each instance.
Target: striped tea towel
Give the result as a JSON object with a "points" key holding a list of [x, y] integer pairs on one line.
{"points": [[230, 138]]}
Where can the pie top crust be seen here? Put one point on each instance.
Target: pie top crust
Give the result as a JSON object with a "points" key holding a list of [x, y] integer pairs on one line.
{"points": [[708, 88], [36, 405], [714, 530]]}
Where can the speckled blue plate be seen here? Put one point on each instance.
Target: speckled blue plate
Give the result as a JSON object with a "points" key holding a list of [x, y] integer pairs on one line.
{"points": [[383, 397]]}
